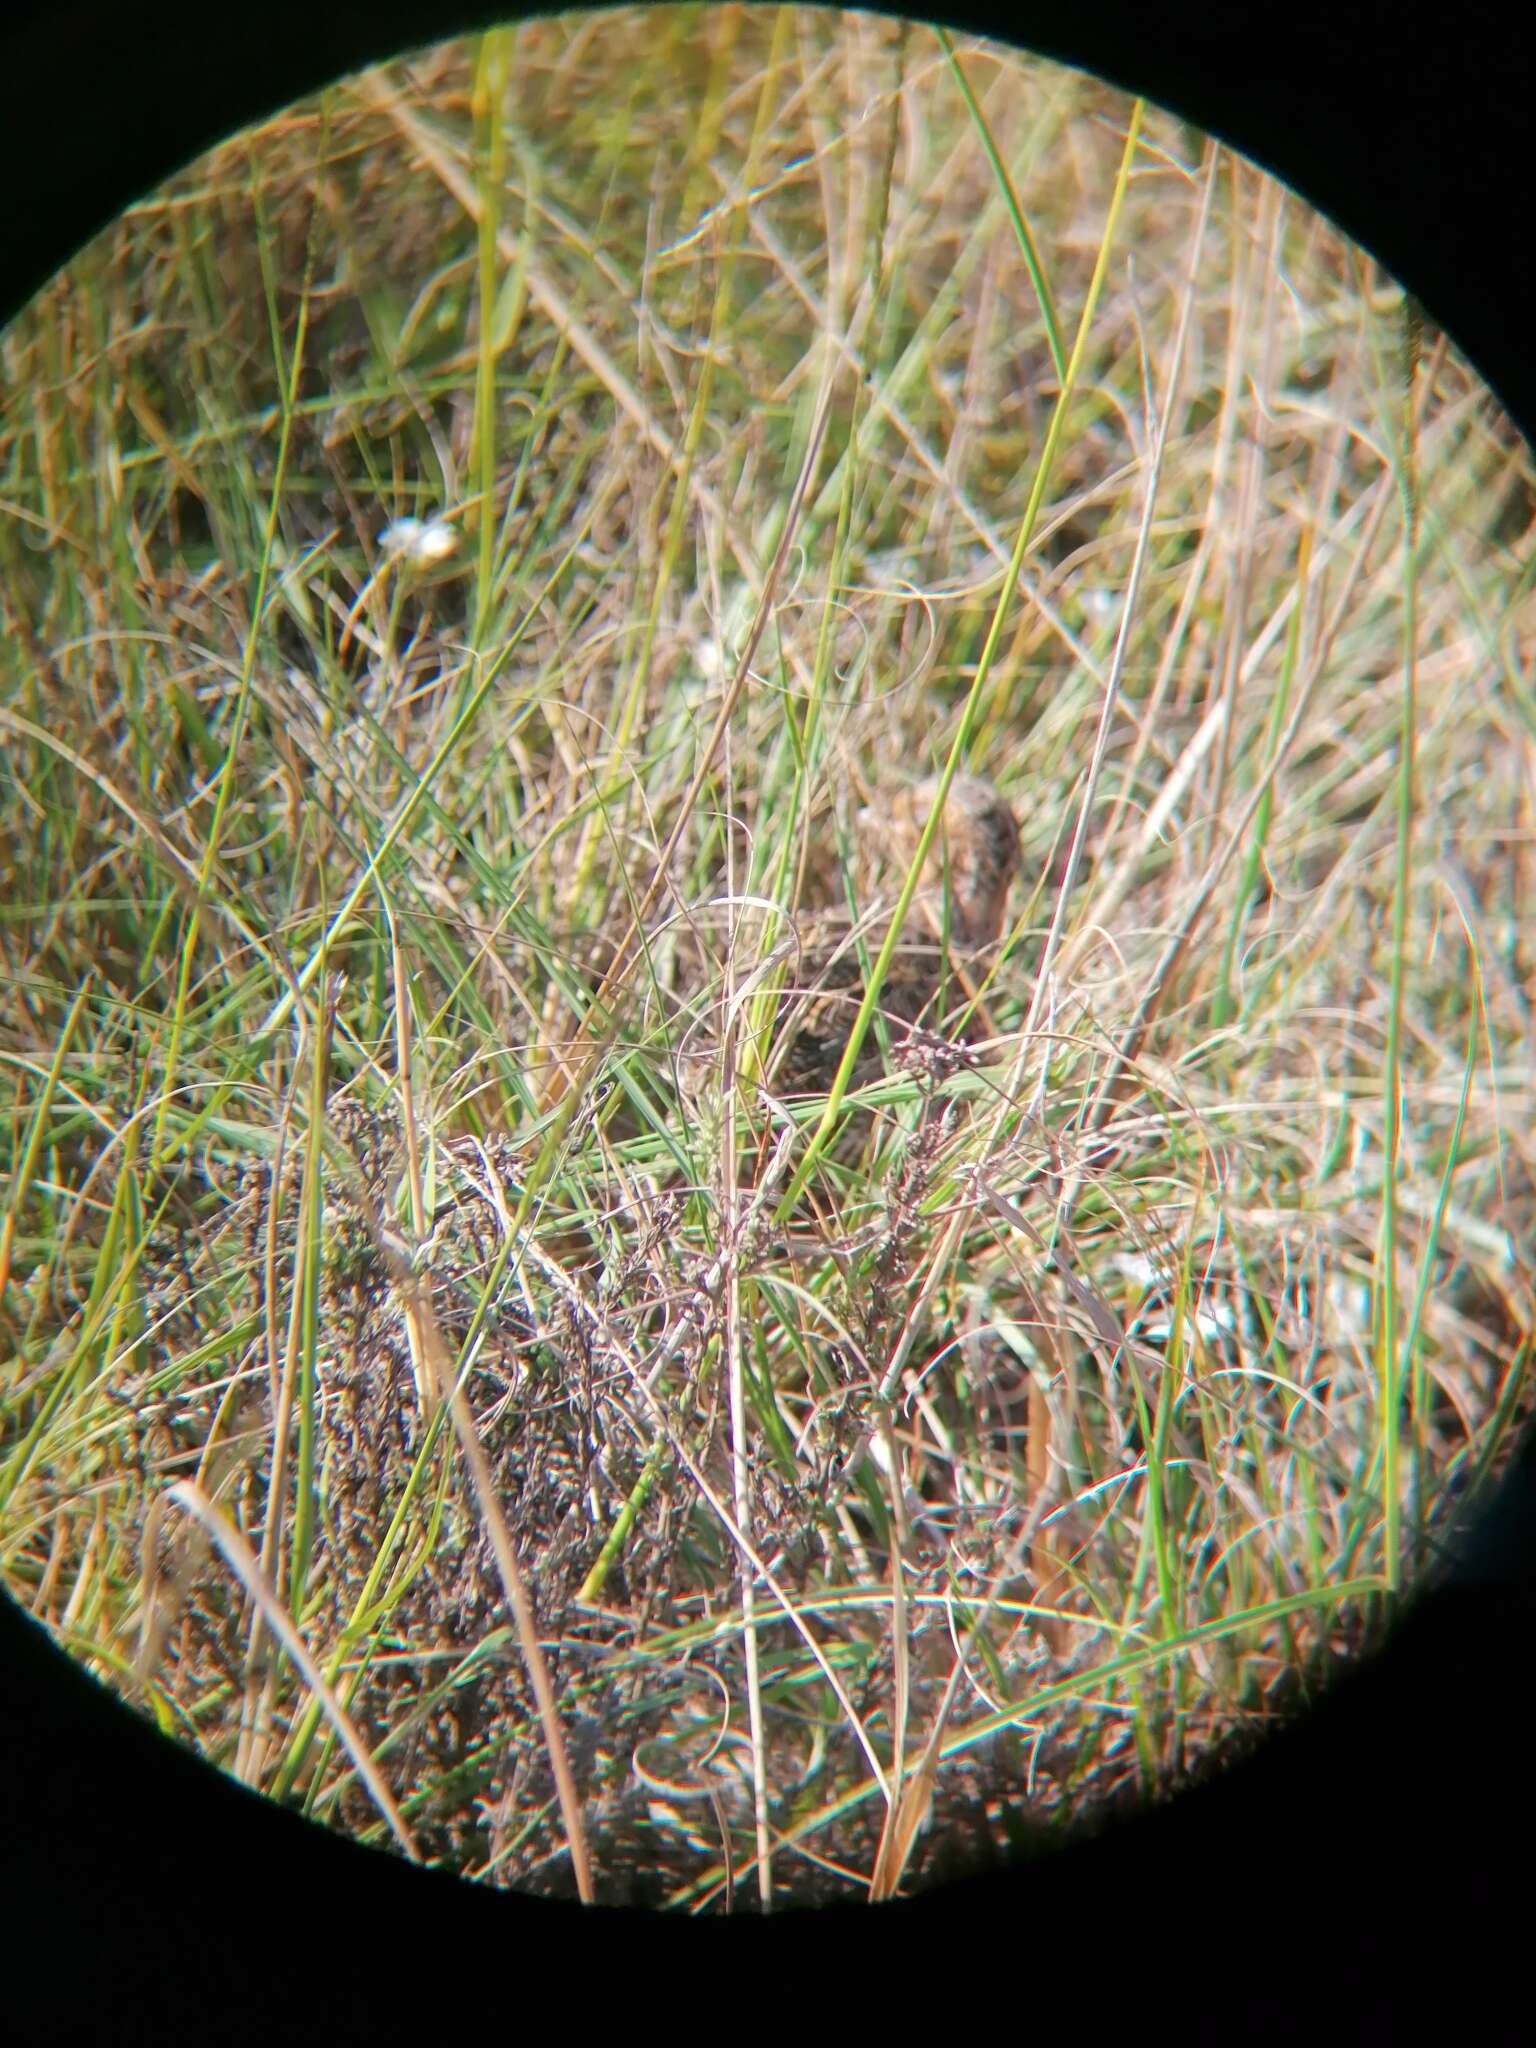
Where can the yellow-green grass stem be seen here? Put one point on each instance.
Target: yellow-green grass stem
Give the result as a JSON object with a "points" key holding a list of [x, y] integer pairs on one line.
{"points": [[971, 709], [290, 392]]}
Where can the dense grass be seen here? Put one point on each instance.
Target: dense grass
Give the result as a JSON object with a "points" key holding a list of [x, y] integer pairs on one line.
{"points": [[399, 949]]}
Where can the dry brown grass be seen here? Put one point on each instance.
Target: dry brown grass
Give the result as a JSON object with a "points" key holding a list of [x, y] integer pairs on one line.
{"points": [[1113, 1379]]}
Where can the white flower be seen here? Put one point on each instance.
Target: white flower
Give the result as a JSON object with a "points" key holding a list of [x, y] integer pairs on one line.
{"points": [[419, 540]]}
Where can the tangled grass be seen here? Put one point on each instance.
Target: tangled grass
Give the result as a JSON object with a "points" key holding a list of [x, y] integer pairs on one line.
{"points": [[619, 1478]]}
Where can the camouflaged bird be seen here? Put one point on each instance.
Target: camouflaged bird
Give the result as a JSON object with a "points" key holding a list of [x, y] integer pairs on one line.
{"points": [[955, 918]]}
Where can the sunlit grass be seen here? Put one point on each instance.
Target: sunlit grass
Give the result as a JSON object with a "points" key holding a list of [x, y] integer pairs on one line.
{"points": [[812, 402]]}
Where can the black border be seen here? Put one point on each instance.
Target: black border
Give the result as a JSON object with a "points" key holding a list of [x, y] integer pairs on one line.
{"points": [[1404, 123], [1362, 1876]]}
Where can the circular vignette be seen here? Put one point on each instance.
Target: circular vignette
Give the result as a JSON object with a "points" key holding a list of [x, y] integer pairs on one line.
{"points": [[1342, 212]]}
